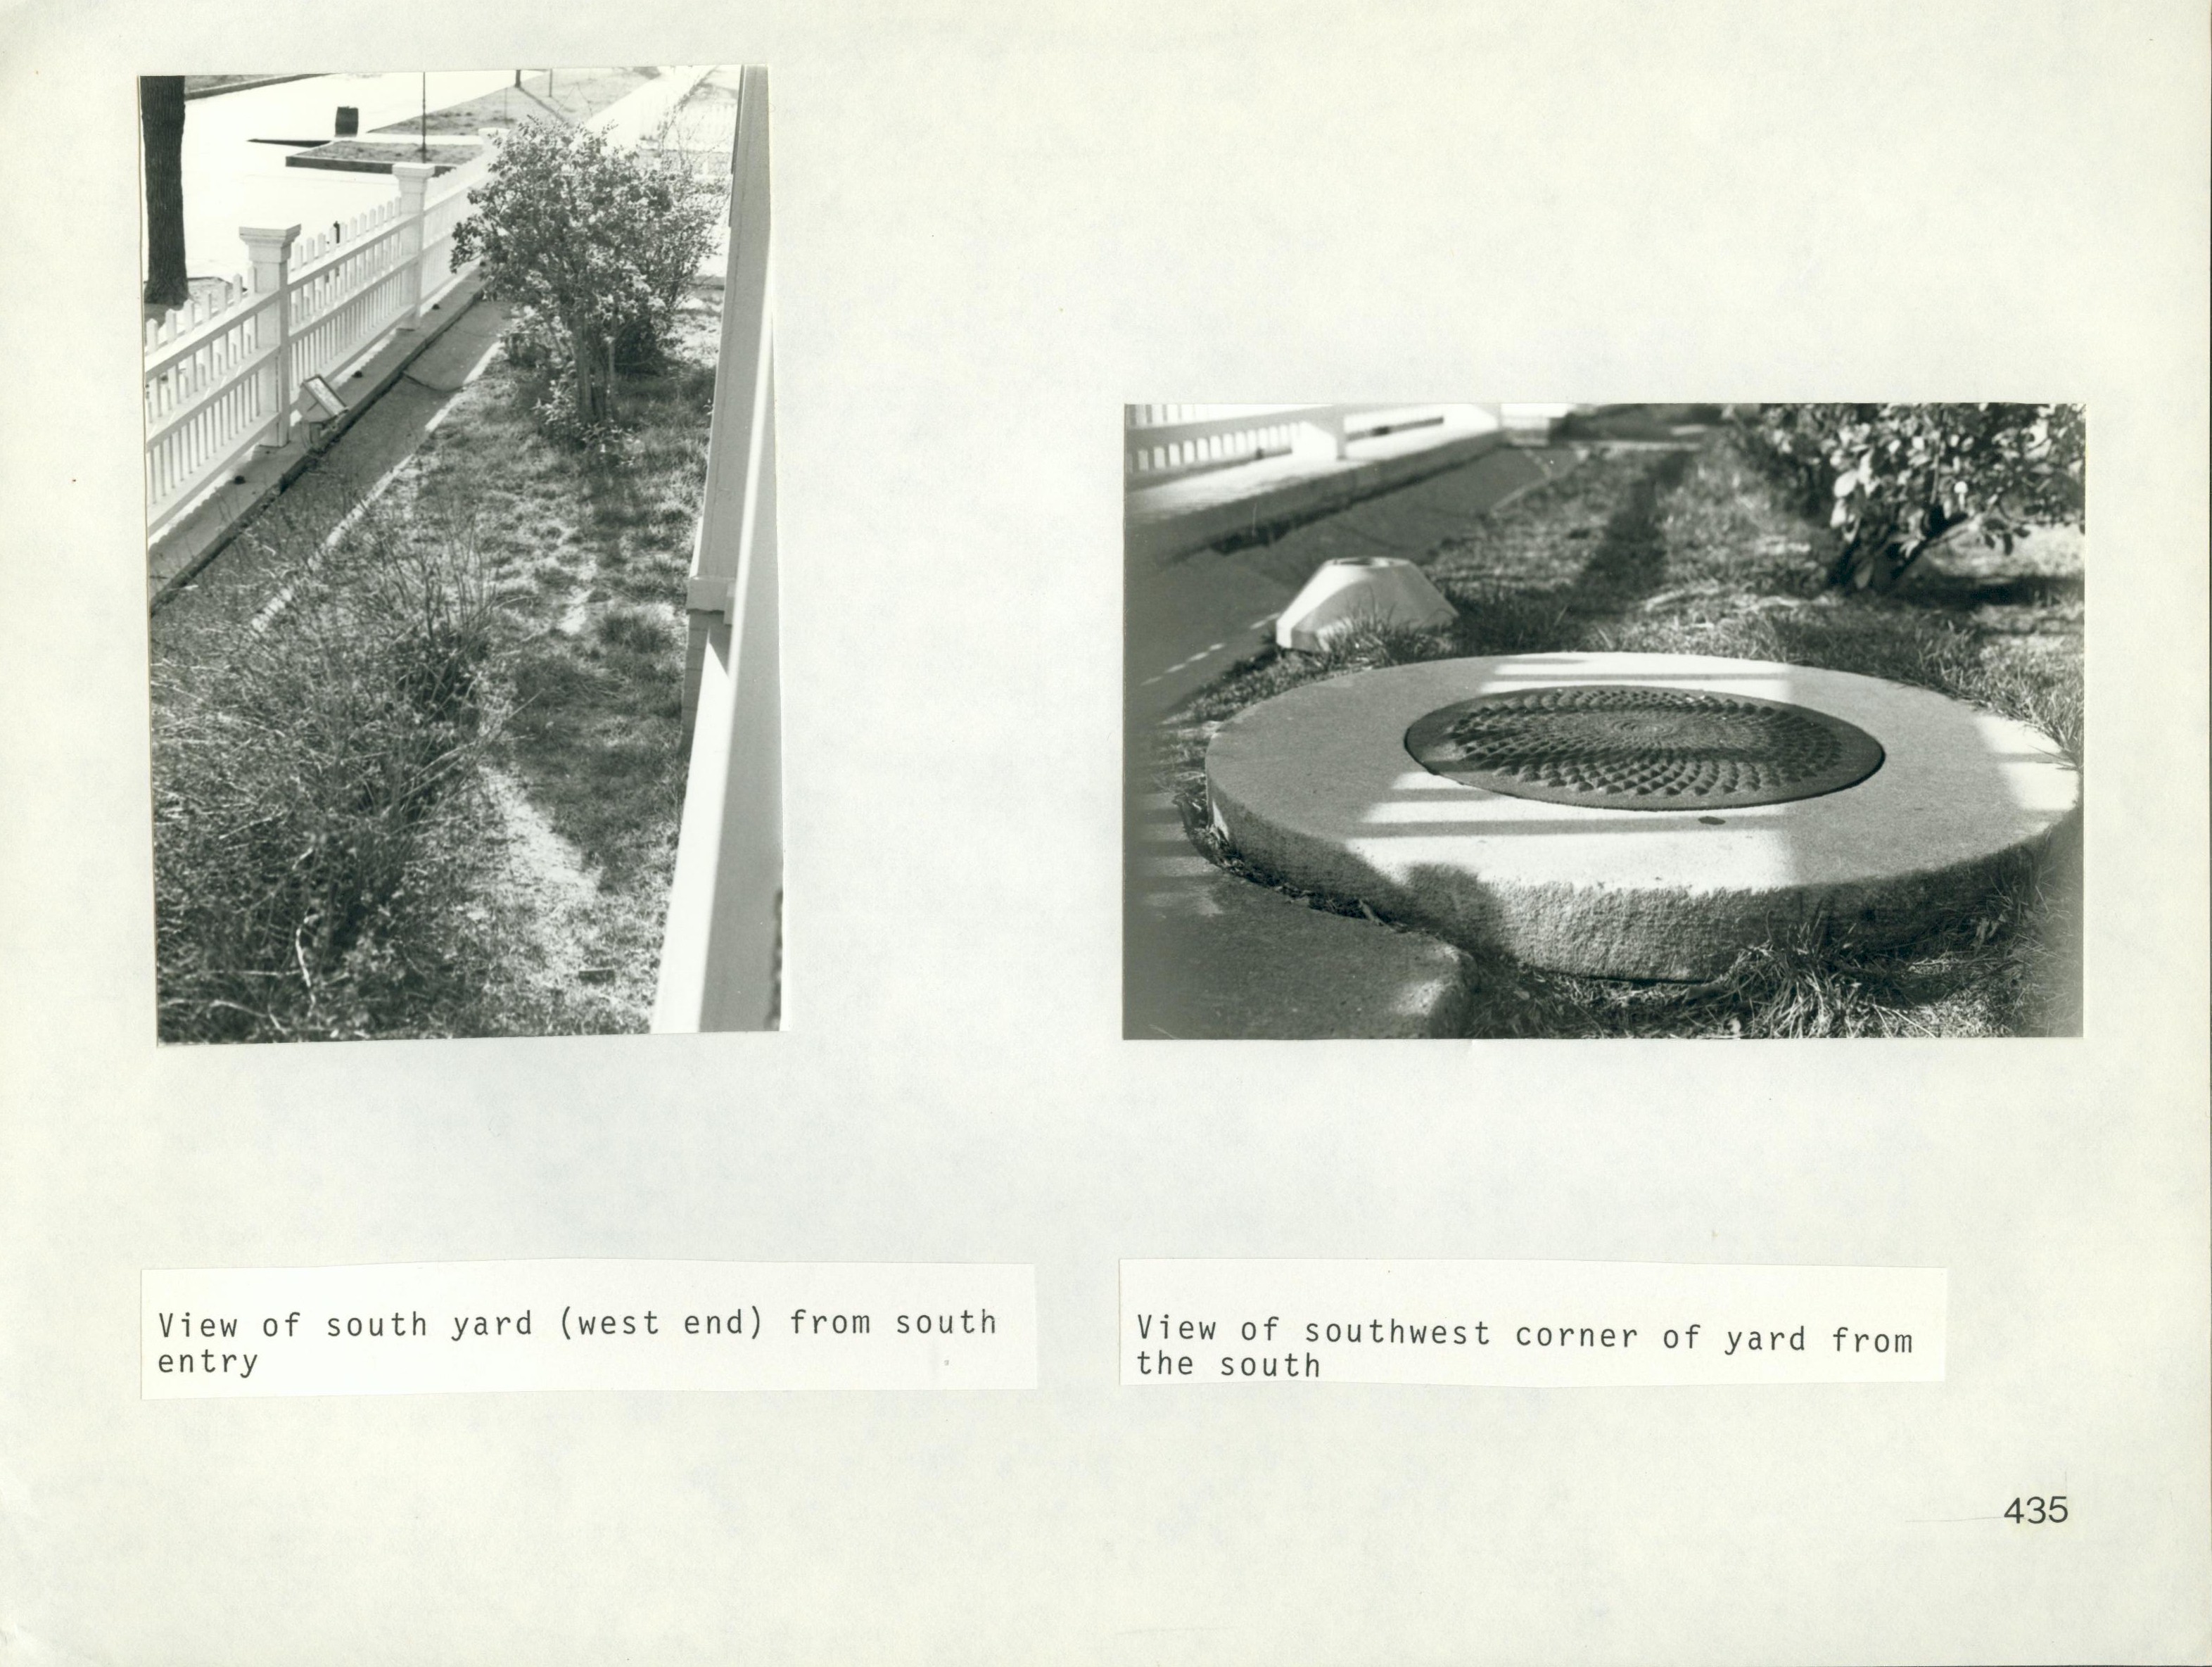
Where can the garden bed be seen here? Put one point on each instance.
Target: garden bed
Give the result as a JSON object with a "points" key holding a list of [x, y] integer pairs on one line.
{"points": [[1694, 550], [522, 889], [377, 156]]}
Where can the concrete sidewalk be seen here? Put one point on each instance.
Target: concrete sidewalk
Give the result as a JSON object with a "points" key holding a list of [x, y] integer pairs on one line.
{"points": [[639, 114], [1207, 956], [1245, 500], [1187, 621], [1207, 953], [393, 401]]}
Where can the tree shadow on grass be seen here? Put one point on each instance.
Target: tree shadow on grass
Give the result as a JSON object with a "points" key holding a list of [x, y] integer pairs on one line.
{"points": [[597, 734], [639, 507], [1626, 562], [1966, 592]]}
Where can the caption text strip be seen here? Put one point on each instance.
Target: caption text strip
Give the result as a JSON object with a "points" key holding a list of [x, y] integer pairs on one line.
{"points": [[460, 1327], [1529, 1323]]}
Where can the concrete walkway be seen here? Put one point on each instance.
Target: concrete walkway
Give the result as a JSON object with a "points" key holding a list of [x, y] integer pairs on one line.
{"points": [[1208, 956], [644, 111], [1189, 620], [1172, 519], [1207, 953]]}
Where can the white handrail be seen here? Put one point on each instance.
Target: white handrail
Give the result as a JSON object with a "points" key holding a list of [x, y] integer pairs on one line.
{"points": [[718, 953], [1164, 441]]}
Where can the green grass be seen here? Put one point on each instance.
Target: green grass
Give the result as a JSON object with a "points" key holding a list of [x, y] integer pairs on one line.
{"points": [[536, 900], [589, 559], [314, 772], [1694, 551]]}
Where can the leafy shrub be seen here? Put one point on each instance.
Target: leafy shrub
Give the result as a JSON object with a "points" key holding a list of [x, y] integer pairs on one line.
{"points": [[311, 865], [534, 342], [598, 243], [1899, 477]]}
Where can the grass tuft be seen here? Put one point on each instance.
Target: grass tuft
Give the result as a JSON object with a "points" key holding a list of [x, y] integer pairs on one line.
{"points": [[313, 775]]}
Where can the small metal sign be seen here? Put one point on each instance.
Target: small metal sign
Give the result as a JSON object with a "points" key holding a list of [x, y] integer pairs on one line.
{"points": [[320, 401], [1625, 746]]}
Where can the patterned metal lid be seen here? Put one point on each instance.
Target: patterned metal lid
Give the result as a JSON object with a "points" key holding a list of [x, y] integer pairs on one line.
{"points": [[1626, 746]]}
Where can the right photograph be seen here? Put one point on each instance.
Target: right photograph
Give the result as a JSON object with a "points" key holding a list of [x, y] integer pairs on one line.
{"points": [[1580, 721]]}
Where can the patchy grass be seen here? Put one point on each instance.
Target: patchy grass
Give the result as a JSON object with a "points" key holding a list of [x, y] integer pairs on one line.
{"points": [[1995, 630], [377, 156], [555, 851], [209, 85], [315, 769], [1693, 551], [588, 555]]}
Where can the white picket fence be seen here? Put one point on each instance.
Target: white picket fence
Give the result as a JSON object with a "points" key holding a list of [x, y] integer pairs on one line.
{"points": [[1164, 441], [224, 371]]}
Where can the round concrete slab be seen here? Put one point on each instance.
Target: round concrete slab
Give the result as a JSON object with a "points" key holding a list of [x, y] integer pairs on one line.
{"points": [[1318, 785]]}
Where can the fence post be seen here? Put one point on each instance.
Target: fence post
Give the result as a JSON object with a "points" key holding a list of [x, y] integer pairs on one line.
{"points": [[1321, 437], [414, 180], [270, 248]]}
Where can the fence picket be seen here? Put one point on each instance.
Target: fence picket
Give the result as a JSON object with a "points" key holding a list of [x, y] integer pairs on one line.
{"points": [[213, 385], [1163, 441]]}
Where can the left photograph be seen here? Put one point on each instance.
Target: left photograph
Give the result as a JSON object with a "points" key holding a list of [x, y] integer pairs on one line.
{"points": [[461, 455]]}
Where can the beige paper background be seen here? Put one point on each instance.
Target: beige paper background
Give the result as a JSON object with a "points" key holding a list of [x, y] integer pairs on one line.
{"points": [[997, 222]]}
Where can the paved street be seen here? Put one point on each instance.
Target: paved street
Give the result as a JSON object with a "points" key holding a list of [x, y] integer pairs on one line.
{"points": [[230, 181]]}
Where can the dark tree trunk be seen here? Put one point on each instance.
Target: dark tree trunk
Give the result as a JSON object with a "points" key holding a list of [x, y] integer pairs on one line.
{"points": [[591, 355], [161, 126], [1881, 565]]}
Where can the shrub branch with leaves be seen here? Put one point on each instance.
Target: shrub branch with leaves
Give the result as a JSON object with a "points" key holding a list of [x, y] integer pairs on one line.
{"points": [[312, 844], [1897, 479], [596, 244]]}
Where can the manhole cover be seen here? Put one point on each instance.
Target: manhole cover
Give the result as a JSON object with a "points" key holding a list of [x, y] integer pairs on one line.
{"points": [[1622, 746]]}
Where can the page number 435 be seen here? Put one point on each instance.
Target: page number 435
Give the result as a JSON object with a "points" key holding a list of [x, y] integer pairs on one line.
{"points": [[2037, 1509]]}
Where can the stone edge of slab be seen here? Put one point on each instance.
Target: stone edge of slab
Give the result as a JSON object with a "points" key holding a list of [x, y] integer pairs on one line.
{"points": [[1662, 931]]}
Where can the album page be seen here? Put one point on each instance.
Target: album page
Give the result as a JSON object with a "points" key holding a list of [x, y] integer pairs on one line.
{"points": [[1014, 833]]}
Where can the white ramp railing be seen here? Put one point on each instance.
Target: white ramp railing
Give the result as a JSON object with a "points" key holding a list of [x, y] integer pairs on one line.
{"points": [[718, 954], [1165, 442], [222, 373]]}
